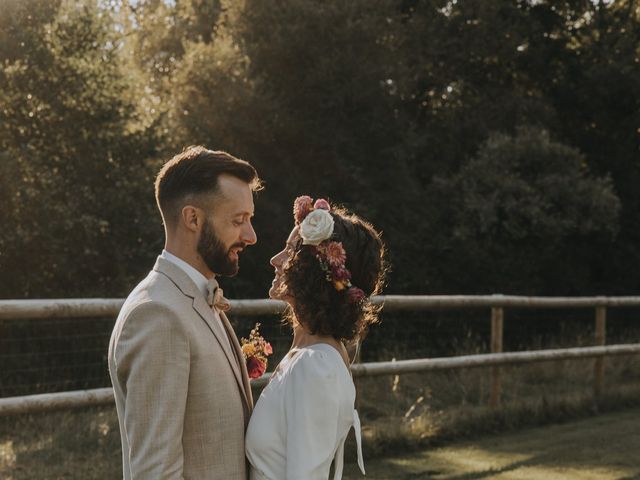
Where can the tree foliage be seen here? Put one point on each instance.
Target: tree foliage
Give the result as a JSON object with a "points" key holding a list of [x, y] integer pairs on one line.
{"points": [[496, 144], [522, 205], [73, 166]]}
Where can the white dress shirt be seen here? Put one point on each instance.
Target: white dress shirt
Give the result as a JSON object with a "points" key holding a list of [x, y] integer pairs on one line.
{"points": [[199, 279]]}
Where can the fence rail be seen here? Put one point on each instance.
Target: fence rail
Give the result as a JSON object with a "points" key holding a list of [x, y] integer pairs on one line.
{"points": [[74, 308], [104, 396], [105, 307]]}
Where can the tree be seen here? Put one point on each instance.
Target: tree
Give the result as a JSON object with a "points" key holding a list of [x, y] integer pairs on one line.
{"points": [[518, 216], [306, 91], [380, 105], [73, 163]]}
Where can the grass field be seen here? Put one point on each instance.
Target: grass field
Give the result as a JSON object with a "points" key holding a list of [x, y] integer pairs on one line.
{"points": [[547, 428], [605, 447], [85, 445]]}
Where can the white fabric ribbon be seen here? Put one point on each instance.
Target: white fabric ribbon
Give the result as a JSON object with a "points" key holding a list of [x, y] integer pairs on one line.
{"points": [[339, 458]]}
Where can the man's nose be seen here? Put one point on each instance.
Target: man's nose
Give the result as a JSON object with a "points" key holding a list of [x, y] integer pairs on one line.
{"points": [[249, 235]]}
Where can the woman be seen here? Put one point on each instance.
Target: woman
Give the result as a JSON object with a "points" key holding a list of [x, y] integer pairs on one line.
{"points": [[331, 264]]}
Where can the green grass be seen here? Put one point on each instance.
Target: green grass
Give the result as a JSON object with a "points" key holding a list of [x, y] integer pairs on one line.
{"points": [[441, 417], [604, 447], [82, 444], [425, 409], [85, 445]]}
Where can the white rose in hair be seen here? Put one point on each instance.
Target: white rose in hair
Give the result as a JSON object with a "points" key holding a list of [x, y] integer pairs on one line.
{"points": [[316, 227]]}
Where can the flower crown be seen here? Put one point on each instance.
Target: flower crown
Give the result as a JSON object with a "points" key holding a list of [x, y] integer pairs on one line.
{"points": [[316, 229]]}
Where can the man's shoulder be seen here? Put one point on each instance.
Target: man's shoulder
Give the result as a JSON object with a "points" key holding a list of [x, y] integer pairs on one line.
{"points": [[156, 290]]}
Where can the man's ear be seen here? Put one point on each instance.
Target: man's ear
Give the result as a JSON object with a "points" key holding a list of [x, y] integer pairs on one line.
{"points": [[190, 218]]}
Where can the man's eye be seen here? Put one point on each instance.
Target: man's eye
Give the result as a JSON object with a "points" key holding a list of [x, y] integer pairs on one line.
{"points": [[237, 223]]}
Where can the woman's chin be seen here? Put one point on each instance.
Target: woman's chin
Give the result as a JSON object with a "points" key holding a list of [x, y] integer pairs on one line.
{"points": [[276, 294], [273, 294]]}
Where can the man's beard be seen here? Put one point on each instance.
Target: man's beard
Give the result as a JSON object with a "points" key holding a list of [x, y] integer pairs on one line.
{"points": [[214, 253]]}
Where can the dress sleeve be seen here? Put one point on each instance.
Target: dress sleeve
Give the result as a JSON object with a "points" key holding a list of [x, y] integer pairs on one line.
{"points": [[152, 361], [311, 414]]}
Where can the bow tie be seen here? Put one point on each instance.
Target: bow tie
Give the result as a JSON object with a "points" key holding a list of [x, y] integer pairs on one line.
{"points": [[215, 297]]}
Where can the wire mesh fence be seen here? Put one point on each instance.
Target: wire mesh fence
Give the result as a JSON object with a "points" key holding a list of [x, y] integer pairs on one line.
{"points": [[60, 354], [397, 411]]}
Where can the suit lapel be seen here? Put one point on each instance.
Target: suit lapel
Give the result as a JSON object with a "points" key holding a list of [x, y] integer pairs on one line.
{"points": [[243, 365], [223, 334], [208, 315]]}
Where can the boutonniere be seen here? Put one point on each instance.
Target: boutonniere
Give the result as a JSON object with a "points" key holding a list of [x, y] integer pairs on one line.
{"points": [[255, 351]]}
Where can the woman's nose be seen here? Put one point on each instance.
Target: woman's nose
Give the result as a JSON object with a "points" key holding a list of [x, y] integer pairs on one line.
{"points": [[276, 260]]}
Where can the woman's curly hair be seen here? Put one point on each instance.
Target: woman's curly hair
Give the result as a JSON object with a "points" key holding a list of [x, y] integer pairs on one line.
{"points": [[318, 305]]}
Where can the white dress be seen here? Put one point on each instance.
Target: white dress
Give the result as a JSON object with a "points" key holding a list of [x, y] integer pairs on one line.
{"points": [[302, 418]]}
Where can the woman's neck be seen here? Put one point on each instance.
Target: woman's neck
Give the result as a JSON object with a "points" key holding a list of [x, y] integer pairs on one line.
{"points": [[302, 338]]}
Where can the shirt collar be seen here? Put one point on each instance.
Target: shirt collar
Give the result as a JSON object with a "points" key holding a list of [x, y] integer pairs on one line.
{"points": [[199, 279]]}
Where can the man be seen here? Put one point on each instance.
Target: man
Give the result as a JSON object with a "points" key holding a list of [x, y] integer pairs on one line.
{"points": [[180, 382]]}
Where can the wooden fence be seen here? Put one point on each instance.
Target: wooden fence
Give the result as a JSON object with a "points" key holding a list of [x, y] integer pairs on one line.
{"points": [[86, 308]]}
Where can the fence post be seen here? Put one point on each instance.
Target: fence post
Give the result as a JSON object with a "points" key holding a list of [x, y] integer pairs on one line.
{"points": [[600, 339], [497, 323]]}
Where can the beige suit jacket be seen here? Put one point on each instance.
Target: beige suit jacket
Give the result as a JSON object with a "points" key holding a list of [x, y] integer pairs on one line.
{"points": [[181, 387]]}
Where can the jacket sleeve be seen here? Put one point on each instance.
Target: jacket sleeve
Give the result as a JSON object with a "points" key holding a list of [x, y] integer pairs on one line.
{"points": [[311, 414], [152, 360]]}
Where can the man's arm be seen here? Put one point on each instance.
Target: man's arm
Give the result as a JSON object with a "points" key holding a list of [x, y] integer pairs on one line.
{"points": [[152, 361]]}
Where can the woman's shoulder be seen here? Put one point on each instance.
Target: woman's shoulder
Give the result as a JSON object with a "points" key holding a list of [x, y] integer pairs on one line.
{"points": [[318, 361], [318, 374]]}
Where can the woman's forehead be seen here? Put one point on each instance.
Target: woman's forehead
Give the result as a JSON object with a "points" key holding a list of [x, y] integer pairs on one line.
{"points": [[294, 235]]}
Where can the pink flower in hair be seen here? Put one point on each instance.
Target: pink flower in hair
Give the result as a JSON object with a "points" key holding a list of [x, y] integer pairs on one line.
{"points": [[322, 204], [355, 295], [341, 274], [336, 256], [301, 207]]}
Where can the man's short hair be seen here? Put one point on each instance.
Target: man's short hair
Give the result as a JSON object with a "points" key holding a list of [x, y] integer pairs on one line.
{"points": [[193, 174]]}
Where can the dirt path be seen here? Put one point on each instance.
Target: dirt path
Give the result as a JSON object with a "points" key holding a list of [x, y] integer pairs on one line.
{"points": [[605, 447]]}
